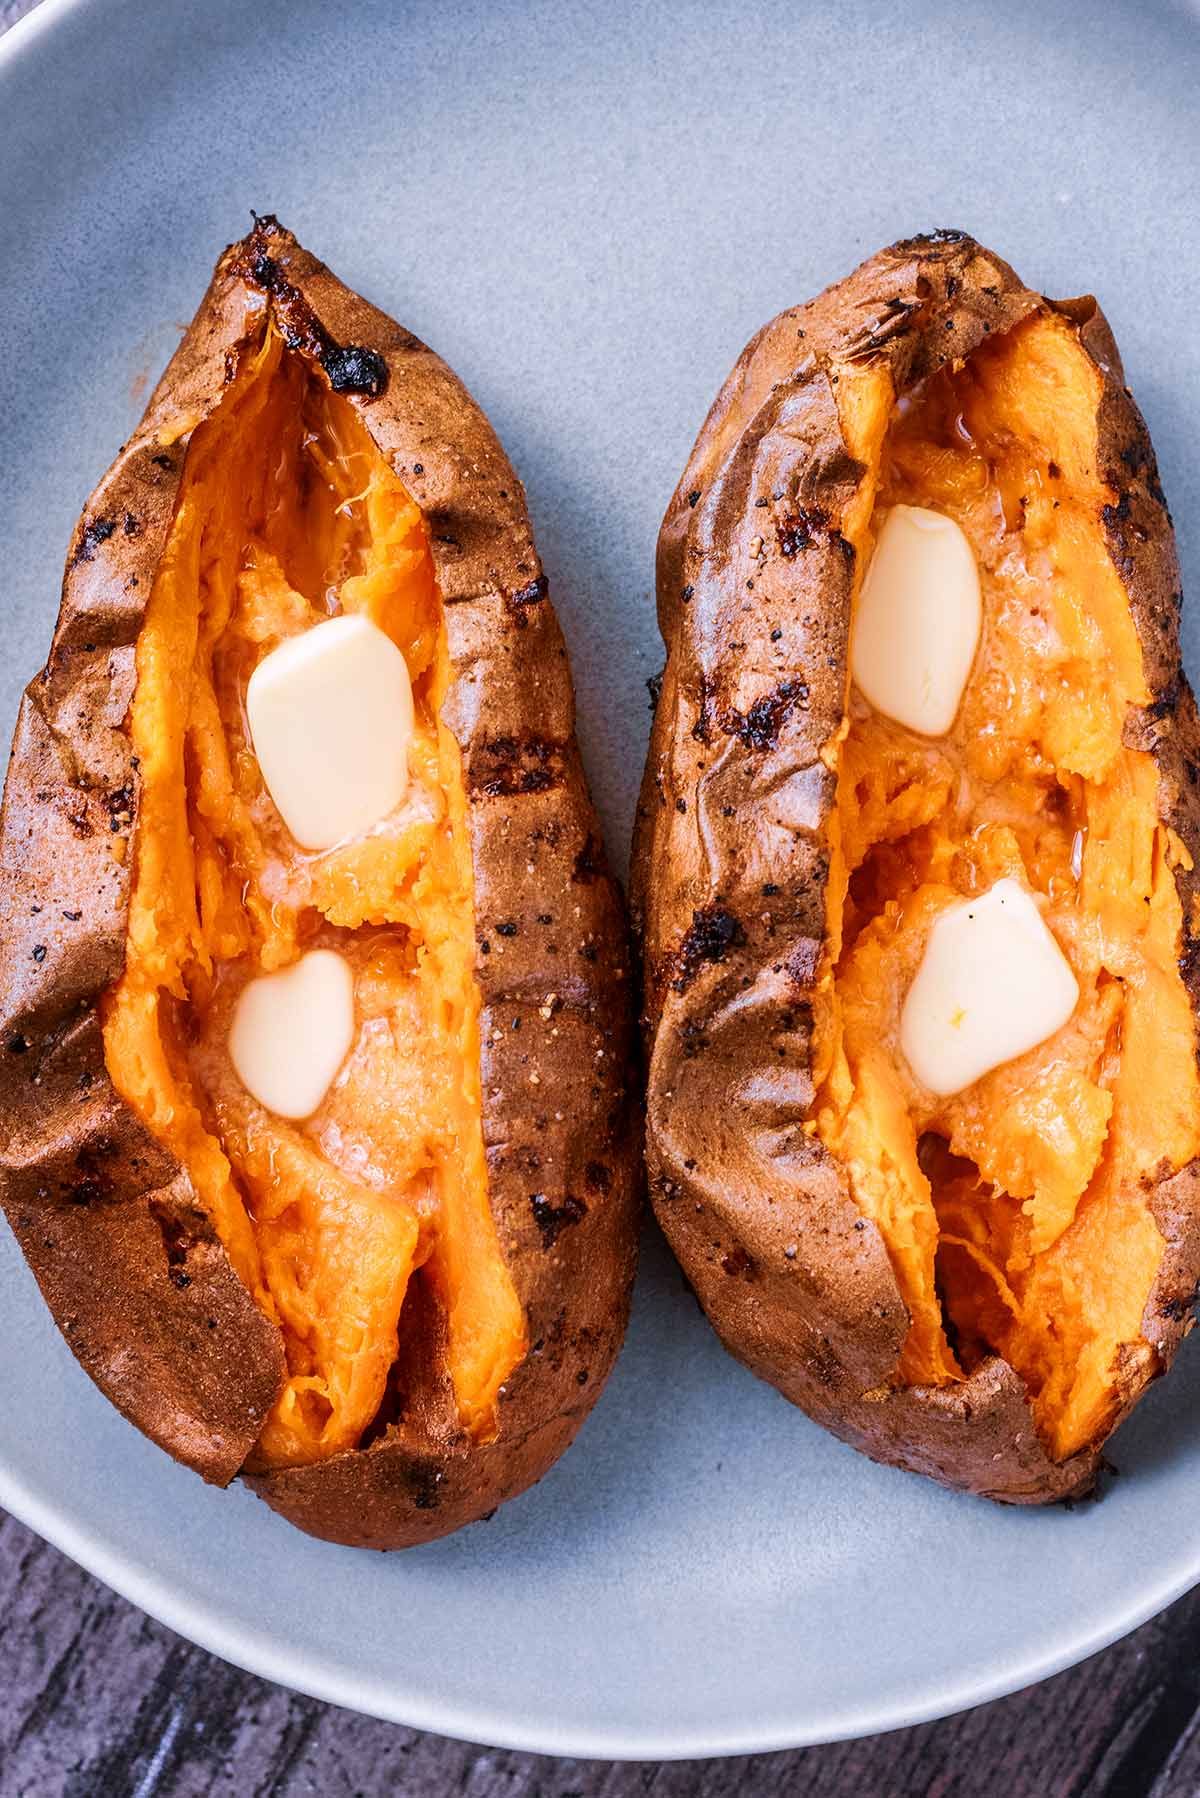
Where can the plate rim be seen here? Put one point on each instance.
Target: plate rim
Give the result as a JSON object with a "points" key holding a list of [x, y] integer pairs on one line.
{"points": [[325, 1679]]}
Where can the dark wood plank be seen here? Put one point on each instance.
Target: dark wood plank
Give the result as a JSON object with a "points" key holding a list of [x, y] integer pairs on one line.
{"points": [[96, 1701]]}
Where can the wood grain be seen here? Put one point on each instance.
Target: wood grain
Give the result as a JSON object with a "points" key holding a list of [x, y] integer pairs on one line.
{"points": [[97, 1701]]}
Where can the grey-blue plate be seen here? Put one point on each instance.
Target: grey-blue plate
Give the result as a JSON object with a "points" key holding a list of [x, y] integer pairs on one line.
{"points": [[588, 208]]}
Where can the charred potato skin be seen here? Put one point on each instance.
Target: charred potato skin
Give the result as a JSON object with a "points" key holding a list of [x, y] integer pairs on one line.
{"points": [[126, 1259], [731, 854]]}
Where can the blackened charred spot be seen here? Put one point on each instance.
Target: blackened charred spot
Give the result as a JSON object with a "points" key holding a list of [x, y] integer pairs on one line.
{"points": [[714, 930], [694, 496], [1189, 964], [943, 234], [94, 534], [895, 323], [39, 953], [509, 928], [532, 594], [1177, 1310], [119, 805], [423, 1483], [654, 688], [165, 462], [1137, 458], [552, 1220], [1115, 516], [519, 602], [509, 765], [176, 1239], [598, 1176], [1124, 533], [130, 525], [353, 369], [590, 862], [702, 729], [1166, 702], [797, 531], [759, 727], [18, 1044], [85, 1192], [738, 1264]]}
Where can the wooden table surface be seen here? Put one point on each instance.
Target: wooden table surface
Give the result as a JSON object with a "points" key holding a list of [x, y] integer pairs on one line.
{"points": [[97, 1701]]}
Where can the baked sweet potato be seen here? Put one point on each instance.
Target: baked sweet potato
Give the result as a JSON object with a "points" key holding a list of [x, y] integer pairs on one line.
{"points": [[975, 1282], [392, 1313]]}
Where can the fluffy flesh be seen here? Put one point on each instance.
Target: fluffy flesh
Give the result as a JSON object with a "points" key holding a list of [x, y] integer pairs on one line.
{"points": [[1015, 1212], [286, 514]]}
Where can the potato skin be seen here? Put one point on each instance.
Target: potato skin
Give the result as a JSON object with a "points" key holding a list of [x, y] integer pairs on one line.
{"points": [[731, 856], [107, 1219]]}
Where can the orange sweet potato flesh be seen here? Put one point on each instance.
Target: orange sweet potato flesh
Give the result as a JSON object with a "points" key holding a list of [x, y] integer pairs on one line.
{"points": [[288, 512], [1015, 1212]]}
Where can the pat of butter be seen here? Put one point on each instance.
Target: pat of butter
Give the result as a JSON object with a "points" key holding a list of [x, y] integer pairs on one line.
{"points": [[992, 984], [331, 719], [917, 623], [292, 1031]]}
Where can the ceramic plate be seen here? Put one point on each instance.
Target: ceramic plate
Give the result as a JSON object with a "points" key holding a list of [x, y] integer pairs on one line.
{"points": [[588, 208]]}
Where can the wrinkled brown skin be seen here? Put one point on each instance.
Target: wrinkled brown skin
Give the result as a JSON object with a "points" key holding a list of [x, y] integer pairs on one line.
{"points": [[736, 800], [110, 1225]]}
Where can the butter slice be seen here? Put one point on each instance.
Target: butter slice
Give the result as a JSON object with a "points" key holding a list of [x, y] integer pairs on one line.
{"points": [[917, 623], [292, 1031], [331, 720], [992, 984]]}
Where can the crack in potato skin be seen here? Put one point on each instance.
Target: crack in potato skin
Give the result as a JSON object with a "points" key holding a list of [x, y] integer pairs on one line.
{"points": [[1030, 1237], [286, 514]]}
